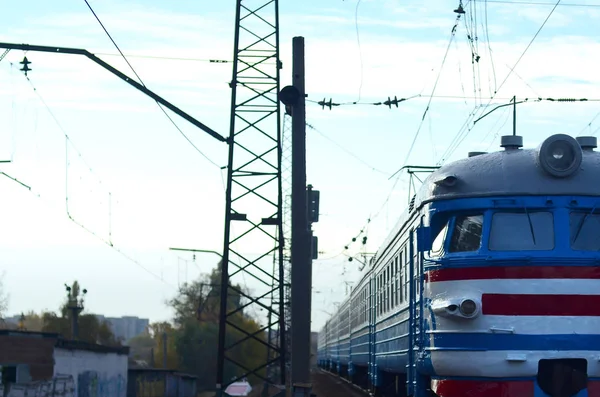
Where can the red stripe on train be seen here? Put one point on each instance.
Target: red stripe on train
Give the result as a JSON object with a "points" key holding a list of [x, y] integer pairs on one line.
{"points": [[513, 272], [474, 388], [540, 305]]}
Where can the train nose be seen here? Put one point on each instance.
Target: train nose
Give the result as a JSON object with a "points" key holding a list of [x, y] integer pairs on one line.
{"points": [[562, 377]]}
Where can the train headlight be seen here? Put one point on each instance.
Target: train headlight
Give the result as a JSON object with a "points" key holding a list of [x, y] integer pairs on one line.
{"points": [[560, 155], [468, 307]]}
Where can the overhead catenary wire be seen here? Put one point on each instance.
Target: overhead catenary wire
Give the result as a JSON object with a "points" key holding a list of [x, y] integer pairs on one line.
{"points": [[359, 50], [416, 135], [467, 127], [538, 3], [116, 249], [461, 97], [168, 58], [60, 127], [372, 168], [389, 103], [589, 124], [142, 83], [489, 46], [68, 141]]}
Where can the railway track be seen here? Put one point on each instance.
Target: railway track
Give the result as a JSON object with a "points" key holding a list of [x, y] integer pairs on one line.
{"points": [[325, 384]]}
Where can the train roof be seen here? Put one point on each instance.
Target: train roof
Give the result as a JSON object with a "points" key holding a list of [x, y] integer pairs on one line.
{"points": [[510, 172]]}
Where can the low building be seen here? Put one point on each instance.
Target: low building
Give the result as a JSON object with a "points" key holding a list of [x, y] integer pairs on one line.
{"points": [[157, 382], [45, 361]]}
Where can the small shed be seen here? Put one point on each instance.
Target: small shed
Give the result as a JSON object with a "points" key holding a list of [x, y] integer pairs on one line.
{"points": [[158, 382]]}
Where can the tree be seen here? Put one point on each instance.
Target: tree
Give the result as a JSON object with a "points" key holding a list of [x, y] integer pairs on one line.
{"points": [[91, 329], [3, 297], [33, 321], [157, 331], [141, 347], [196, 320]]}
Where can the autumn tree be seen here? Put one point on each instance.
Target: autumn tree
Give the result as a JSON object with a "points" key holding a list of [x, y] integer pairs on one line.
{"points": [[33, 321], [196, 329], [158, 331], [141, 347]]}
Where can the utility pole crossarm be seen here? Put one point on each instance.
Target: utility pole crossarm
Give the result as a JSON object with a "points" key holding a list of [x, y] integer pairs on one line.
{"points": [[122, 76]]}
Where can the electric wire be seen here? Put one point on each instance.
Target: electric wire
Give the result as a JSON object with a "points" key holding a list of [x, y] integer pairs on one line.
{"points": [[487, 36], [61, 128], [466, 128], [389, 102], [100, 238], [142, 83], [312, 127], [539, 3], [589, 125], [118, 250], [412, 145], [165, 57], [68, 142], [359, 50]]}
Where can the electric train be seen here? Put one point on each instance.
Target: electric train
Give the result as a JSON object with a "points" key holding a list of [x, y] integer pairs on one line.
{"points": [[488, 286]]}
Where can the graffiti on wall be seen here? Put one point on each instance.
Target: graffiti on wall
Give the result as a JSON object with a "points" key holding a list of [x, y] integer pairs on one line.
{"points": [[150, 387], [92, 384], [59, 386]]}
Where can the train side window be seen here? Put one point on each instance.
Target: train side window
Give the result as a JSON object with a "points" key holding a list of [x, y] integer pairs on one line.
{"points": [[391, 284], [400, 285], [466, 234], [396, 275], [380, 294], [516, 231]]}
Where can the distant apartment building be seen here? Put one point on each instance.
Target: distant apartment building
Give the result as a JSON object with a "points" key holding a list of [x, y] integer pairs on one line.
{"points": [[126, 327], [13, 320]]}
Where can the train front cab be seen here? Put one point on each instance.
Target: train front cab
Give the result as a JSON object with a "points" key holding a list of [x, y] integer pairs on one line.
{"points": [[512, 285]]}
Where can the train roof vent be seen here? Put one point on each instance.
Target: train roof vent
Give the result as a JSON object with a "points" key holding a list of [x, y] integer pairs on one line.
{"points": [[473, 154], [511, 142], [588, 143], [411, 206]]}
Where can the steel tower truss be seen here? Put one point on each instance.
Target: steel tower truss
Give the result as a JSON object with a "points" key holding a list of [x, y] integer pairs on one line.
{"points": [[286, 177], [253, 208]]}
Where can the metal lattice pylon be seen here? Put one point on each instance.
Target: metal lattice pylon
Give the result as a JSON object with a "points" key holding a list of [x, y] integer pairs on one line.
{"points": [[253, 216], [286, 177]]}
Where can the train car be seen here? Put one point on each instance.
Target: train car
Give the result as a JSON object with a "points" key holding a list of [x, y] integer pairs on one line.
{"points": [[488, 285]]}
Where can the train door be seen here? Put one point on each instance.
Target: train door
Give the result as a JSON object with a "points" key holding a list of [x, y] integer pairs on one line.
{"points": [[416, 383], [372, 368]]}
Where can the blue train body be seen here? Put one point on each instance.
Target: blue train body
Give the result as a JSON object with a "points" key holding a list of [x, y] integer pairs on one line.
{"points": [[487, 285]]}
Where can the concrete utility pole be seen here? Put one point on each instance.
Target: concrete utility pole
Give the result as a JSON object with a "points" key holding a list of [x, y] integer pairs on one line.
{"points": [[294, 97]]}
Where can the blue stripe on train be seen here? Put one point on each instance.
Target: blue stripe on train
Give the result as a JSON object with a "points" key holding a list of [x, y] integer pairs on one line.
{"points": [[489, 341]]}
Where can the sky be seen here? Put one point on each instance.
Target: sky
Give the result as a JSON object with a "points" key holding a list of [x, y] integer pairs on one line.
{"points": [[133, 180]]}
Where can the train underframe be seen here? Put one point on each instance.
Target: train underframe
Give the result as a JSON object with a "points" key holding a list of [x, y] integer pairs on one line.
{"points": [[555, 378]]}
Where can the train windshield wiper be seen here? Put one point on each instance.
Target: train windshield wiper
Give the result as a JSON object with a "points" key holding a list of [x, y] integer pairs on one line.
{"points": [[530, 224], [582, 221]]}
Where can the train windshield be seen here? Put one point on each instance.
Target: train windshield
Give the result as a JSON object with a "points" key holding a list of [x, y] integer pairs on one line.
{"points": [[585, 231], [527, 230], [466, 235]]}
